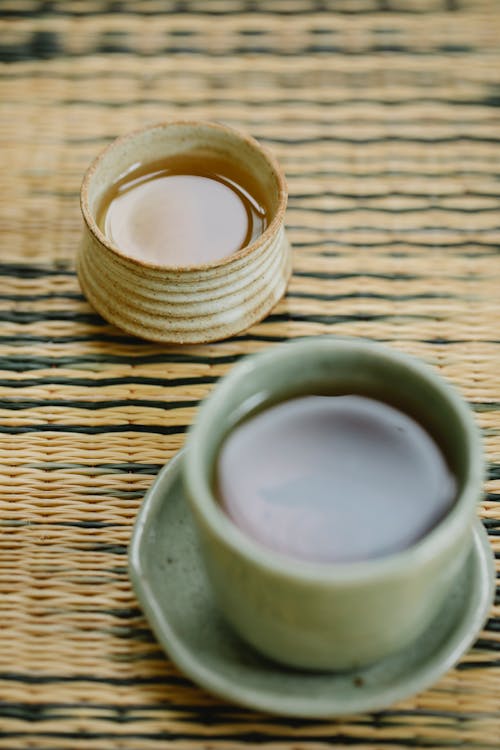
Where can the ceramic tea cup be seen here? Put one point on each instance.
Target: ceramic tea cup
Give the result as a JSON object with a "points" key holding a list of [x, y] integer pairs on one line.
{"points": [[184, 304], [332, 615]]}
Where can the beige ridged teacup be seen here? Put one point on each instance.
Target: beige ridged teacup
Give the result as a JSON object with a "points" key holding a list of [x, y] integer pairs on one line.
{"points": [[179, 304]]}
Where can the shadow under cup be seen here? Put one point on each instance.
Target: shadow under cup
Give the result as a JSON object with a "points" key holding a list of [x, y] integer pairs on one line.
{"points": [[332, 615]]}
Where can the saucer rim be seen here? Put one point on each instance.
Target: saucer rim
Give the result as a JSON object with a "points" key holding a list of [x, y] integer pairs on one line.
{"points": [[446, 656]]}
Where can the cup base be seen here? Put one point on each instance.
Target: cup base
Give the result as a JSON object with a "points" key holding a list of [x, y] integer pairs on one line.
{"points": [[171, 585]]}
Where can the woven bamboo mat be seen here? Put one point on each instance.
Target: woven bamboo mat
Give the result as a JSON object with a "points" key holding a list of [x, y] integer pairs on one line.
{"points": [[385, 117]]}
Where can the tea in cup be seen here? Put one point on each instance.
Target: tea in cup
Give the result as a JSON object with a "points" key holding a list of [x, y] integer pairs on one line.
{"points": [[333, 484], [184, 238], [333, 478]]}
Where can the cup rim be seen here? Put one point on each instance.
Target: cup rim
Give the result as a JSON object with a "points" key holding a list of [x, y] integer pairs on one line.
{"points": [[208, 512], [266, 235]]}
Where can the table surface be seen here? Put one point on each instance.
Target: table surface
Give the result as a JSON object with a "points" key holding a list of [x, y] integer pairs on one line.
{"points": [[385, 117]]}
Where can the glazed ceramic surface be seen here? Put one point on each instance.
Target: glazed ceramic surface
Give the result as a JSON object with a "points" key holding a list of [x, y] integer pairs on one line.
{"points": [[184, 304], [170, 581], [319, 615]]}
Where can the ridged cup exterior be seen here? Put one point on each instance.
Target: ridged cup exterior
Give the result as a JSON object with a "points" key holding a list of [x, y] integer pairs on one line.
{"points": [[175, 304], [184, 306]]}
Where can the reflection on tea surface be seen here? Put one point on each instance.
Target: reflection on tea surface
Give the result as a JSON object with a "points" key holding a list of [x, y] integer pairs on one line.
{"points": [[333, 478], [184, 210]]}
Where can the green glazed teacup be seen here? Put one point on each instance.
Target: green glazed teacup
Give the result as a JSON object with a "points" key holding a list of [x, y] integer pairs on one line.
{"points": [[323, 615]]}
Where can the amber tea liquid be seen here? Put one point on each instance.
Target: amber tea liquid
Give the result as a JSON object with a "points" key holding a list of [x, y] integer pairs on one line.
{"points": [[184, 210], [333, 478]]}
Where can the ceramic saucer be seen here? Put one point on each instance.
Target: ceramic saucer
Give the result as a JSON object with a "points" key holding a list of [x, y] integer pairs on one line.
{"points": [[170, 583]]}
